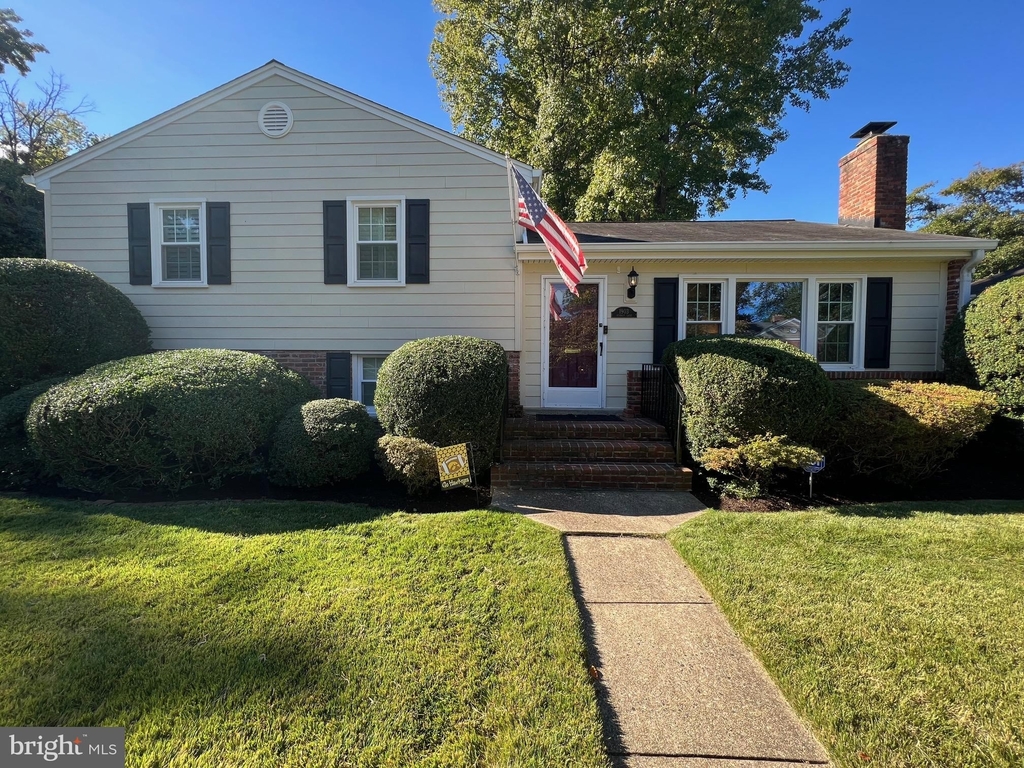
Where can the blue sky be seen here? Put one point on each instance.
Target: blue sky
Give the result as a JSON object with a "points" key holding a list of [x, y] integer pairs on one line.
{"points": [[949, 72]]}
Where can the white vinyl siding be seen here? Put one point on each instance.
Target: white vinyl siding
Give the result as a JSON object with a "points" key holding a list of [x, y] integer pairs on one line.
{"points": [[277, 298]]}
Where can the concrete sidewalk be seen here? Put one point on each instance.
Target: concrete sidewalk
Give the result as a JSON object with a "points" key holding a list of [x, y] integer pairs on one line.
{"points": [[676, 686]]}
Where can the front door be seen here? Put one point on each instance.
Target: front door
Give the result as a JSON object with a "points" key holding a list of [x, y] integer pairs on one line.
{"points": [[574, 345]]}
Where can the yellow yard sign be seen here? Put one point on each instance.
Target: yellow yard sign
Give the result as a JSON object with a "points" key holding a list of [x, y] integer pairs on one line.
{"points": [[453, 466]]}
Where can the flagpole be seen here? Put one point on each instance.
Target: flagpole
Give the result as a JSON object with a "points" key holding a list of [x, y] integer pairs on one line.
{"points": [[513, 209]]}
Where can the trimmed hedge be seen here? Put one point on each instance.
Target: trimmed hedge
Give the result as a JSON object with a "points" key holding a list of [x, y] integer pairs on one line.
{"points": [[994, 342], [19, 465], [322, 442], [58, 319], [956, 364], [738, 389], [749, 468], [902, 431], [409, 461], [445, 390], [166, 420]]}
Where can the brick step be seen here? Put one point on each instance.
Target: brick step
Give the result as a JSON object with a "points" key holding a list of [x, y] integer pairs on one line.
{"points": [[627, 429], [569, 450], [552, 474]]}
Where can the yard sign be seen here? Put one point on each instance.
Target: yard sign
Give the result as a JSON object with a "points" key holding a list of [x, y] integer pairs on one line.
{"points": [[453, 466]]}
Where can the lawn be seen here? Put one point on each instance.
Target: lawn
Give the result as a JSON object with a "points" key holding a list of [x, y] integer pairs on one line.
{"points": [[295, 634], [896, 630]]}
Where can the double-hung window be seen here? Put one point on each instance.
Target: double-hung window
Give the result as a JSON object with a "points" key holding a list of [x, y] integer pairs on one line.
{"points": [[179, 243], [367, 367], [836, 320], [377, 237], [702, 309]]}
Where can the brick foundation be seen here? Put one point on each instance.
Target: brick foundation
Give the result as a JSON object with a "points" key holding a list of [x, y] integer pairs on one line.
{"points": [[953, 289], [515, 403], [633, 392], [310, 363]]}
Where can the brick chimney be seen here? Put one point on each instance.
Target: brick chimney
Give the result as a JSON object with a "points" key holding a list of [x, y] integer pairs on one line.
{"points": [[873, 179]]}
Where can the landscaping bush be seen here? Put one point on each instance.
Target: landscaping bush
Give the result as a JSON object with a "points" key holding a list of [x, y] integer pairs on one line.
{"points": [[445, 390], [902, 431], [956, 365], [749, 468], [738, 389], [58, 319], [322, 442], [994, 342], [409, 461], [166, 420], [19, 465]]}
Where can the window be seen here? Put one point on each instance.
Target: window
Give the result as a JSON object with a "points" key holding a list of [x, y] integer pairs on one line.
{"points": [[770, 309], [836, 322], [179, 243], [377, 254], [703, 309], [366, 378]]}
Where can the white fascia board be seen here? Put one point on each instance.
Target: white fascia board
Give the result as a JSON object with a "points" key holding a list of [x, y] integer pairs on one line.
{"points": [[762, 249], [256, 76]]}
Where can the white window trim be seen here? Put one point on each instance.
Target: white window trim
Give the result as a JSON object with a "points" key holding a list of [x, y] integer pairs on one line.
{"points": [[357, 377], [808, 330], [353, 204], [156, 240]]}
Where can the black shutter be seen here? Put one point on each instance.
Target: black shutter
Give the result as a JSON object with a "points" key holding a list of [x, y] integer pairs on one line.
{"points": [[878, 321], [140, 252], [335, 247], [417, 241], [666, 314], [339, 374], [218, 243]]}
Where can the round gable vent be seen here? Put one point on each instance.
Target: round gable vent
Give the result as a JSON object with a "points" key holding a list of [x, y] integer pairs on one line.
{"points": [[275, 119]]}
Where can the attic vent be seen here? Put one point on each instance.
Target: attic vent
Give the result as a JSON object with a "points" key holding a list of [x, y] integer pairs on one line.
{"points": [[275, 119]]}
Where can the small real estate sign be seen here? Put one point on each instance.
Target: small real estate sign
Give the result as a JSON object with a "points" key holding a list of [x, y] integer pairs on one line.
{"points": [[453, 466]]}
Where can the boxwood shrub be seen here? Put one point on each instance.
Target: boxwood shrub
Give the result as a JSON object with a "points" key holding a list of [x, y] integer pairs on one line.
{"points": [[409, 461], [445, 390], [19, 465], [322, 442], [994, 343], [56, 319], [166, 420], [738, 389], [903, 432]]}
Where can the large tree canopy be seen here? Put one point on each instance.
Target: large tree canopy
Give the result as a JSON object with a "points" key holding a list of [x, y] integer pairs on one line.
{"points": [[15, 49], [987, 202], [636, 109]]}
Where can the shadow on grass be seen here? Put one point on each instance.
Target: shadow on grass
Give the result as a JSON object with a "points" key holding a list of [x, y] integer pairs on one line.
{"points": [[909, 509]]}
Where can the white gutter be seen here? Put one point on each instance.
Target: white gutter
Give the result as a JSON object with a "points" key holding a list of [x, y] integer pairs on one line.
{"points": [[741, 249], [42, 186], [967, 275]]}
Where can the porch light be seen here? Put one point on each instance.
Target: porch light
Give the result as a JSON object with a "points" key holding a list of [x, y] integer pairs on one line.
{"points": [[631, 280]]}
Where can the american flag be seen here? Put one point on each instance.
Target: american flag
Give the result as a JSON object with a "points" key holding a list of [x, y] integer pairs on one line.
{"points": [[559, 239]]}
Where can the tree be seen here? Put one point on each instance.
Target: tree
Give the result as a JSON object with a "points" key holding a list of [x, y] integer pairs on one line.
{"points": [[987, 202], [15, 49], [39, 132], [21, 215], [636, 109]]}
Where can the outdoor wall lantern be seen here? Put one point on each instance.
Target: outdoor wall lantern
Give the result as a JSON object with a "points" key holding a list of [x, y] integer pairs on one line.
{"points": [[631, 280]]}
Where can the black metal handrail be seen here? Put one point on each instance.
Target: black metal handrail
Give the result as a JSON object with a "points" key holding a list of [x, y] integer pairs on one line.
{"points": [[662, 400]]}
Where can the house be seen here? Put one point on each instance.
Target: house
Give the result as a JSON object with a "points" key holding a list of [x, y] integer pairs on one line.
{"points": [[281, 214]]}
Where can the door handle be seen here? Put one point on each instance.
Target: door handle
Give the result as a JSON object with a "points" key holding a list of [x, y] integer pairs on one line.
{"points": [[600, 349]]}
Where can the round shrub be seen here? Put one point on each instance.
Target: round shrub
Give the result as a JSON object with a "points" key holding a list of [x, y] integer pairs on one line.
{"points": [[903, 431], [445, 390], [994, 341], [322, 442], [19, 465], [166, 420], [58, 319], [737, 389], [956, 365], [409, 461]]}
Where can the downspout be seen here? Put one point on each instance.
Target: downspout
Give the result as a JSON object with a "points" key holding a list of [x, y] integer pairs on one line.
{"points": [[966, 275]]}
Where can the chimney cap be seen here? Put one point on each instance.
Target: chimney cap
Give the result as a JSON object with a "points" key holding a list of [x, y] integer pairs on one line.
{"points": [[873, 129]]}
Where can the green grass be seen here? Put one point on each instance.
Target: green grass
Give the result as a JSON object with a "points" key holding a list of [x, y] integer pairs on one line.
{"points": [[286, 634], [896, 630]]}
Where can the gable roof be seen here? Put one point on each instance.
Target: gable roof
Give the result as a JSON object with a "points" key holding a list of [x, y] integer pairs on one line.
{"points": [[270, 69]]}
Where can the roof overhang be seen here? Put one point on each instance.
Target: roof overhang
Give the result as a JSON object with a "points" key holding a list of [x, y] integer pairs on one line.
{"points": [[273, 68], [804, 249]]}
